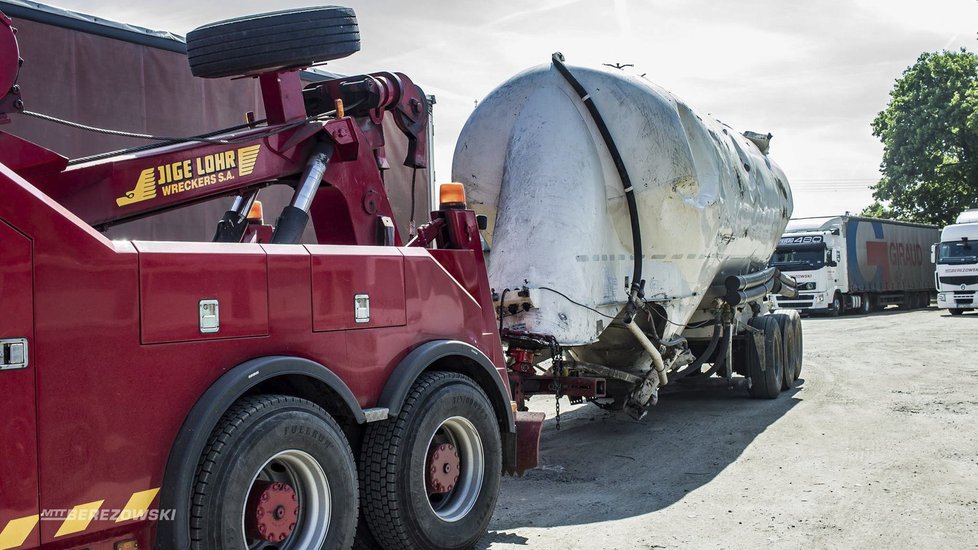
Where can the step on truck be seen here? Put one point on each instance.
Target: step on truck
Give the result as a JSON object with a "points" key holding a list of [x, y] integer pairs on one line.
{"points": [[253, 391], [956, 258], [852, 263]]}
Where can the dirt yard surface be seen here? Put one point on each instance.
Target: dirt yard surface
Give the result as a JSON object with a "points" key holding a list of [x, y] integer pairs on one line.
{"points": [[875, 447]]}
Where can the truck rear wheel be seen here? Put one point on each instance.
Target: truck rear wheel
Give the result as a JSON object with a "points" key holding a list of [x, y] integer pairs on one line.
{"points": [[789, 339], [765, 366], [430, 476], [269, 41], [276, 473]]}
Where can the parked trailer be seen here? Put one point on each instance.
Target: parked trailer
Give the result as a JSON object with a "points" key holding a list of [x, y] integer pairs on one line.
{"points": [[844, 263], [956, 257], [630, 241], [251, 392]]}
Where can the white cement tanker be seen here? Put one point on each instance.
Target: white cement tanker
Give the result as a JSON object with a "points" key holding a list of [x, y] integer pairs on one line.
{"points": [[551, 157]]}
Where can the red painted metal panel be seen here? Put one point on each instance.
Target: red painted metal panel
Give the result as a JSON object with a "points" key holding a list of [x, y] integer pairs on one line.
{"points": [[18, 418], [174, 278], [109, 407], [340, 273]]}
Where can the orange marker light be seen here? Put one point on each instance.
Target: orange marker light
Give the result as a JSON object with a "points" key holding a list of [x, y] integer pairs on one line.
{"points": [[451, 195], [256, 214]]}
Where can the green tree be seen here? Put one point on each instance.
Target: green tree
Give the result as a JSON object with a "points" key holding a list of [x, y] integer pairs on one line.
{"points": [[929, 132]]}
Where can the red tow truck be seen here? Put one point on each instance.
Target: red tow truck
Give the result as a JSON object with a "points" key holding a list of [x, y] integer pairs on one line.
{"points": [[251, 392]]}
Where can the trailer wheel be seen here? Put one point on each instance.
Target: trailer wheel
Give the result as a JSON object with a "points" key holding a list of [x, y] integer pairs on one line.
{"points": [[799, 342], [429, 477], [789, 340], [276, 473], [765, 366], [270, 41]]}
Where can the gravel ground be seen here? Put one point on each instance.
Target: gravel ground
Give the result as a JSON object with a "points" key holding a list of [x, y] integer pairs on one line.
{"points": [[875, 447]]}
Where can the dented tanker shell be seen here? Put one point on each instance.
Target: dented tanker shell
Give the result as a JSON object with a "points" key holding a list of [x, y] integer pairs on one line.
{"points": [[710, 203]]}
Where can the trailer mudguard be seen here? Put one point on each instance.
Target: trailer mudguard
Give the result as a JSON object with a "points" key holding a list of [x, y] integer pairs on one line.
{"points": [[204, 416]]}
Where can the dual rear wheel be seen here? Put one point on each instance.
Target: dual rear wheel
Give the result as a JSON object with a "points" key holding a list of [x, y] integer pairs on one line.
{"points": [[278, 473], [774, 353]]}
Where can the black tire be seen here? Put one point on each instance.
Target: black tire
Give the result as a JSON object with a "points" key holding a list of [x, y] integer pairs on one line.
{"points": [[765, 366], [394, 489], [866, 307], [264, 439], [954, 311], [790, 348], [837, 305], [799, 342], [270, 41]]}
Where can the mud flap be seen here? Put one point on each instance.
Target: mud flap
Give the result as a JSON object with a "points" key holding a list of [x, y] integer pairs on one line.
{"points": [[527, 443]]}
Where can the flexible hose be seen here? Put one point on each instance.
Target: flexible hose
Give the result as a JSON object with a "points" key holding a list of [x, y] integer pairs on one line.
{"points": [[626, 182], [727, 334], [698, 363]]}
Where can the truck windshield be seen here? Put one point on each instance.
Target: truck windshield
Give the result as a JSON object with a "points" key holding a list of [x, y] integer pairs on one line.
{"points": [[798, 258], [958, 252]]}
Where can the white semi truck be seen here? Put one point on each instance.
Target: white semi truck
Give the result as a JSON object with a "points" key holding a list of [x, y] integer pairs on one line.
{"points": [[631, 238], [956, 257], [844, 263]]}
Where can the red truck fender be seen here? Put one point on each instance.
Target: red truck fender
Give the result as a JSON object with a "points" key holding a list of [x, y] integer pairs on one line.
{"points": [[466, 359], [181, 466], [452, 356]]}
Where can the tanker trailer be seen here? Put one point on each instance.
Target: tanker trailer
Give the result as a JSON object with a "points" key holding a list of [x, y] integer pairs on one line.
{"points": [[629, 240]]}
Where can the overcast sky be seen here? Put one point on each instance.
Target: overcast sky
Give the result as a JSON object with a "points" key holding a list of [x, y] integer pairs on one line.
{"points": [[814, 73]]}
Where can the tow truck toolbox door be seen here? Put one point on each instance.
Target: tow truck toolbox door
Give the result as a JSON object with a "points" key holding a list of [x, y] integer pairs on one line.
{"points": [[18, 417]]}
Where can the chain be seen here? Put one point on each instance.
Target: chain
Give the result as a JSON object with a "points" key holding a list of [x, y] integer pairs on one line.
{"points": [[558, 368]]}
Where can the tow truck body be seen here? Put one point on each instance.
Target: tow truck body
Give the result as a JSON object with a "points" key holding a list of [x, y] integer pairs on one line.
{"points": [[119, 357]]}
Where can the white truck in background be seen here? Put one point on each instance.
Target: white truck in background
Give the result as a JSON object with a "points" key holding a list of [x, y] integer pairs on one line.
{"points": [[956, 257], [844, 263]]}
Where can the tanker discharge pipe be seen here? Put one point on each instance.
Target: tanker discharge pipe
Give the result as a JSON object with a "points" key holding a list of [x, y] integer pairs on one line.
{"points": [[660, 367]]}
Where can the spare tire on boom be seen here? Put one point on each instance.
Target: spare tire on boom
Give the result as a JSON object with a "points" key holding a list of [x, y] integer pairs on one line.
{"points": [[268, 41]]}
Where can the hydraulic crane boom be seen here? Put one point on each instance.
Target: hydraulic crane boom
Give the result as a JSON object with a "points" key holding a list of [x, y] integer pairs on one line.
{"points": [[326, 141]]}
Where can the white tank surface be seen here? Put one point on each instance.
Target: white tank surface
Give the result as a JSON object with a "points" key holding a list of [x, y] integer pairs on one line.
{"points": [[710, 203]]}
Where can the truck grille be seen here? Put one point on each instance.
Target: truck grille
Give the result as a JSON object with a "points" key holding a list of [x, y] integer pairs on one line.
{"points": [[960, 280], [801, 302], [964, 297]]}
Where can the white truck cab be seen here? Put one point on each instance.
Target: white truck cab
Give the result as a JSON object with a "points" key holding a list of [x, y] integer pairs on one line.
{"points": [[956, 257], [811, 252]]}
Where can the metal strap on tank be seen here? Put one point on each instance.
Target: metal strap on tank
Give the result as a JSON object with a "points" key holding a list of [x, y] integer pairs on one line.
{"points": [[626, 182]]}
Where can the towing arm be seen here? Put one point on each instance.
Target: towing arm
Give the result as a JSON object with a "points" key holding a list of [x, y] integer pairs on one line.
{"points": [[326, 141]]}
